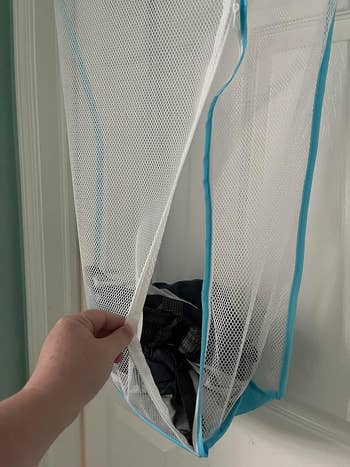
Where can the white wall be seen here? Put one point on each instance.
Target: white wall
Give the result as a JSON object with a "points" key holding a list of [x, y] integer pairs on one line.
{"points": [[265, 438]]}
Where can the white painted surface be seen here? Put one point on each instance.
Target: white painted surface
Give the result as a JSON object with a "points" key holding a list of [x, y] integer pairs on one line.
{"points": [[267, 437], [50, 245]]}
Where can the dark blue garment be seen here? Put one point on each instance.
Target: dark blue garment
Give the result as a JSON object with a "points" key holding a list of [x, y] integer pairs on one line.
{"points": [[162, 366], [174, 323], [171, 335]]}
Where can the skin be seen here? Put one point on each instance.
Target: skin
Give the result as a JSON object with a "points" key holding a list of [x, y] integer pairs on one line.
{"points": [[75, 362]]}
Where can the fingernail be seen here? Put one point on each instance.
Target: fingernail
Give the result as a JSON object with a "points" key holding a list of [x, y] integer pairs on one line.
{"points": [[118, 359]]}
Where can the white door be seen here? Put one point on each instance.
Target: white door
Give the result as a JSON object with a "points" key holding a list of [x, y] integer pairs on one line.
{"points": [[310, 428]]}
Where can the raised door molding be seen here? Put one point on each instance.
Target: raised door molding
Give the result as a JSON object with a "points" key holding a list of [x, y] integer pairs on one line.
{"points": [[342, 26], [49, 234], [30, 174]]}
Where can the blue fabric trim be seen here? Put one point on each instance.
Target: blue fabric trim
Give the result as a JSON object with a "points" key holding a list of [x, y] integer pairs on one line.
{"points": [[79, 63], [300, 249], [202, 450], [153, 426], [254, 396], [99, 183]]}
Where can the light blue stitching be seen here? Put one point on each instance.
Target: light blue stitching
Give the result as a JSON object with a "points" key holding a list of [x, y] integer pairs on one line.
{"points": [[208, 214], [97, 129], [269, 395], [300, 249]]}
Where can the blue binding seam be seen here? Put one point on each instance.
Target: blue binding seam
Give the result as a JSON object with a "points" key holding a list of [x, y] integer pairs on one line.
{"points": [[99, 182], [300, 248], [202, 450], [97, 129], [254, 396]]}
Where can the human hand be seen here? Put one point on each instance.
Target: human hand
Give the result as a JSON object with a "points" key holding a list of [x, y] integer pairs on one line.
{"points": [[77, 358]]}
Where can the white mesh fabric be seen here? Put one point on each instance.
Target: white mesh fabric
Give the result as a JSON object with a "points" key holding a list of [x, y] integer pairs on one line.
{"points": [[135, 76], [259, 153], [323, 295]]}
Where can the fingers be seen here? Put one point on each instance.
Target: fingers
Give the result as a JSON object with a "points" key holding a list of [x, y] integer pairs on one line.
{"points": [[119, 358], [114, 334], [117, 341], [102, 322]]}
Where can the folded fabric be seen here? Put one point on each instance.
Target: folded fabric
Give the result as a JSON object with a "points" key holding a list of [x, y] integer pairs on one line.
{"points": [[174, 323], [162, 366]]}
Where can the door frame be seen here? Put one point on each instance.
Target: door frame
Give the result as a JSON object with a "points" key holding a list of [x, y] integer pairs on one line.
{"points": [[51, 257]]}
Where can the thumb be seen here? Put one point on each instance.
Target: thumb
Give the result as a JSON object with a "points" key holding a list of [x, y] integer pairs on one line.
{"points": [[118, 340]]}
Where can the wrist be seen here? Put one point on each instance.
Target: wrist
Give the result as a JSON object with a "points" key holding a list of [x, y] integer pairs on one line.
{"points": [[30, 421], [50, 403]]}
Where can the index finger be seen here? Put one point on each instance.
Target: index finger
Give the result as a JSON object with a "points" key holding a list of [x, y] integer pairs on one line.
{"points": [[103, 320]]}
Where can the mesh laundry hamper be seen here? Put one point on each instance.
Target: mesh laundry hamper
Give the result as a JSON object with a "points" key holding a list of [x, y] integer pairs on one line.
{"points": [[137, 75]]}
